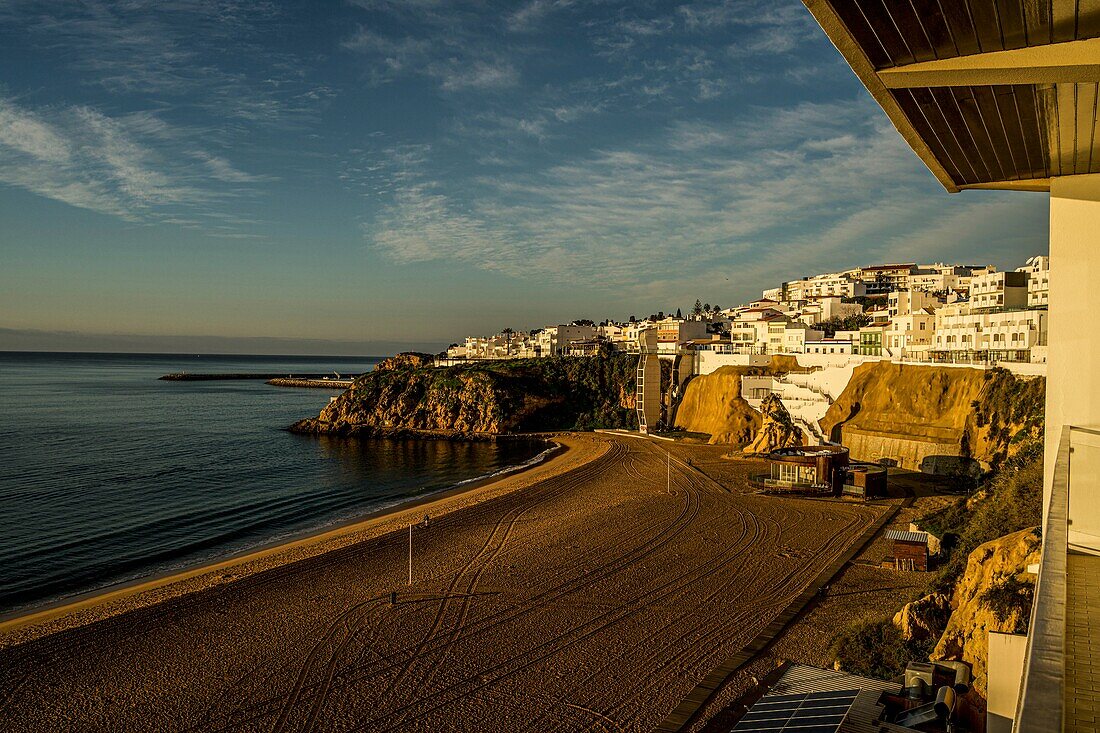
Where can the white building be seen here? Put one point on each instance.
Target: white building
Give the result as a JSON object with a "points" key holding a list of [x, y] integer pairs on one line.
{"points": [[555, 340], [825, 309], [823, 286], [999, 290], [1038, 281], [774, 294], [790, 337], [965, 334], [672, 332], [905, 302], [910, 335], [830, 346]]}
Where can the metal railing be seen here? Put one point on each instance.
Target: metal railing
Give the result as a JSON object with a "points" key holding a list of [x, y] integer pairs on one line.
{"points": [[1041, 705], [765, 480]]}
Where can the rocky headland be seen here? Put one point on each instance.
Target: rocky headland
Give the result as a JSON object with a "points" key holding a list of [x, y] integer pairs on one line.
{"points": [[406, 396]]}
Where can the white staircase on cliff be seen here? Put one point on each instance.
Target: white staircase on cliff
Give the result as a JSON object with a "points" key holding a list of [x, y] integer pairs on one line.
{"points": [[806, 401]]}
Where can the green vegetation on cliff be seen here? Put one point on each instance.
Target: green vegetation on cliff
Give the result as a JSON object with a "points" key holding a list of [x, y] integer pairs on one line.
{"points": [[874, 647], [1010, 501], [406, 394]]}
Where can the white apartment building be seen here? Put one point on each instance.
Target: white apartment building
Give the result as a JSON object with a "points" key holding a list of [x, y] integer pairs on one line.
{"points": [[617, 335], [905, 302], [823, 286], [999, 290], [555, 340], [1038, 281], [910, 334], [751, 336], [884, 278], [938, 278], [973, 272], [963, 333], [790, 337], [830, 346]]}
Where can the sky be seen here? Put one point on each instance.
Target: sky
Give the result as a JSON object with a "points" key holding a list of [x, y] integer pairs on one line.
{"points": [[360, 176]]}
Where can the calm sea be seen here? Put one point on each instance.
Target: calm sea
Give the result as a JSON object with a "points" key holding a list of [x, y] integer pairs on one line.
{"points": [[108, 475]]}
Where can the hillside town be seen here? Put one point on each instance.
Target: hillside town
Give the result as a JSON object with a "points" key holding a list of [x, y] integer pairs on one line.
{"points": [[934, 313]]}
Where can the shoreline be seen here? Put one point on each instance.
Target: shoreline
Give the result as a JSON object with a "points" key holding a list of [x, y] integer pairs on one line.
{"points": [[317, 427], [18, 626]]}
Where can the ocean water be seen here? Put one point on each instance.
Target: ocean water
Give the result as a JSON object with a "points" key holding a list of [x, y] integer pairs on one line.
{"points": [[108, 475]]}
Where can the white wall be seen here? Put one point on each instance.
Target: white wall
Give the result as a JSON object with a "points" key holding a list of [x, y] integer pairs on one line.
{"points": [[1073, 360], [708, 361], [1006, 665]]}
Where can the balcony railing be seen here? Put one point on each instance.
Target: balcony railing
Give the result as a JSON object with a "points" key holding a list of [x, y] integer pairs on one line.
{"points": [[765, 481], [1052, 645]]}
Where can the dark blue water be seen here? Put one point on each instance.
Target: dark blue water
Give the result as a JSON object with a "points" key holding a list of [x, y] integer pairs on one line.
{"points": [[108, 475]]}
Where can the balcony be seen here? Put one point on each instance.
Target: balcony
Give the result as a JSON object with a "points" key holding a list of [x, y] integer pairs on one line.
{"points": [[1058, 692]]}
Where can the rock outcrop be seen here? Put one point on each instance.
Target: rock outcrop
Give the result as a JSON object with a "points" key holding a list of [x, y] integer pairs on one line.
{"points": [[924, 618], [405, 395], [990, 568], [935, 419], [405, 360], [713, 404], [777, 428]]}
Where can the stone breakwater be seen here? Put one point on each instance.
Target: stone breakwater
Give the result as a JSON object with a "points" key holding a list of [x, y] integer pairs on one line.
{"points": [[192, 377], [310, 383]]}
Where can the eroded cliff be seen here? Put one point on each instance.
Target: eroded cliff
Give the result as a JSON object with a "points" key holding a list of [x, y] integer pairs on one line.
{"points": [[713, 403], [935, 419]]}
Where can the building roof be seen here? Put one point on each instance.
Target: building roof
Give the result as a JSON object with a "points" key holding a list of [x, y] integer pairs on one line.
{"points": [[907, 536], [989, 93], [902, 266], [802, 680]]}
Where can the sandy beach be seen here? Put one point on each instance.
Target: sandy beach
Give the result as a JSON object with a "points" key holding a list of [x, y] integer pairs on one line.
{"points": [[578, 595]]}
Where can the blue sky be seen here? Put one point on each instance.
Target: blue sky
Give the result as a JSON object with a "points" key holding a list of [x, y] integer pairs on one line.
{"points": [[341, 176]]}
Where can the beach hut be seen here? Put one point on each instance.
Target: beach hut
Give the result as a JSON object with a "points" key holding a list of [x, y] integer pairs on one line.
{"points": [[908, 550]]}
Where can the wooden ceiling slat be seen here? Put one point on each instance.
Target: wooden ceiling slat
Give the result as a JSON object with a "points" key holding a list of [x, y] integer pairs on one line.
{"points": [[1088, 19], [1085, 124], [888, 34], [1063, 123], [936, 28], [957, 18], [1024, 127], [953, 146], [1064, 20], [911, 27], [986, 21], [1037, 21], [989, 106], [864, 34], [1046, 115], [976, 131], [1011, 15], [916, 112]]}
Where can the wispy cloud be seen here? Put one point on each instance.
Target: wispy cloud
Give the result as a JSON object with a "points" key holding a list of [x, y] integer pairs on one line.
{"points": [[204, 54], [710, 198], [126, 166], [530, 13]]}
